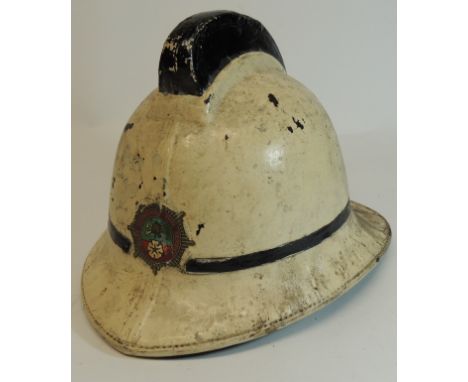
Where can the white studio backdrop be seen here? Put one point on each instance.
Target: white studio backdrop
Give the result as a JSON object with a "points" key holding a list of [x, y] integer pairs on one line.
{"points": [[345, 52]]}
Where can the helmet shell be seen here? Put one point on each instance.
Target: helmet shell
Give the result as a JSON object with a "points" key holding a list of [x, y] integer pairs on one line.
{"points": [[253, 163]]}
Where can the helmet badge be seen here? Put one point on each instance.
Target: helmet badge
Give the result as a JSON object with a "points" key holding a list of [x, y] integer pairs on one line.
{"points": [[159, 236]]}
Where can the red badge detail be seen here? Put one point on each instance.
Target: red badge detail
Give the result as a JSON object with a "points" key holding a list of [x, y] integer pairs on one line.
{"points": [[159, 237]]}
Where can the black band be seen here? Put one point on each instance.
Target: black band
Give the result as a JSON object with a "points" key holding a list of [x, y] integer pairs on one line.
{"points": [[255, 259], [219, 265], [201, 45], [118, 238]]}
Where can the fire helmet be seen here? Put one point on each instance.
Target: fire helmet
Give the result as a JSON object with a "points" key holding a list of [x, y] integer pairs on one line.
{"points": [[229, 211]]}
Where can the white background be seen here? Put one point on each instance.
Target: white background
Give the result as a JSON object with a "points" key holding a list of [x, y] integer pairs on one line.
{"points": [[345, 52]]}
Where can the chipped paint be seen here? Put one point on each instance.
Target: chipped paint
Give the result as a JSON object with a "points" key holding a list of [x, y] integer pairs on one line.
{"points": [[273, 100], [298, 123]]}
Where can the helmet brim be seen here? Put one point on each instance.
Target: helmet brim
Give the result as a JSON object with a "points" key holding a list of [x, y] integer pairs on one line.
{"points": [[175, 313]]}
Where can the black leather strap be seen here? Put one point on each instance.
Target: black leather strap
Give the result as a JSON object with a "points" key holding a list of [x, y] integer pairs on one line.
{"points": [[118, 238], [217, 265], [255, 259]]}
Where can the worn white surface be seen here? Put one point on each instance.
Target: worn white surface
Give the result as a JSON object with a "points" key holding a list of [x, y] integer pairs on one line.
{"points": [[352, 339]]}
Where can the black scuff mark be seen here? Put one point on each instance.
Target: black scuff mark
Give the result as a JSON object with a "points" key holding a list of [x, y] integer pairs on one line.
{"points": [[298, 123], [128, 126], [199, 228], [140, 185], [226, 137], [139, 158], [154, 178], [207, 101], [290, 129], [273, 99]]}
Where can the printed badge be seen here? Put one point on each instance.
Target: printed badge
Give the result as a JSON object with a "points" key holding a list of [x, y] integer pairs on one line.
{"points": [[159, 236]]}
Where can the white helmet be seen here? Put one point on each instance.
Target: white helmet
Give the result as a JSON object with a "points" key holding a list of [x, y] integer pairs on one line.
{"points": [[229, 215]]}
